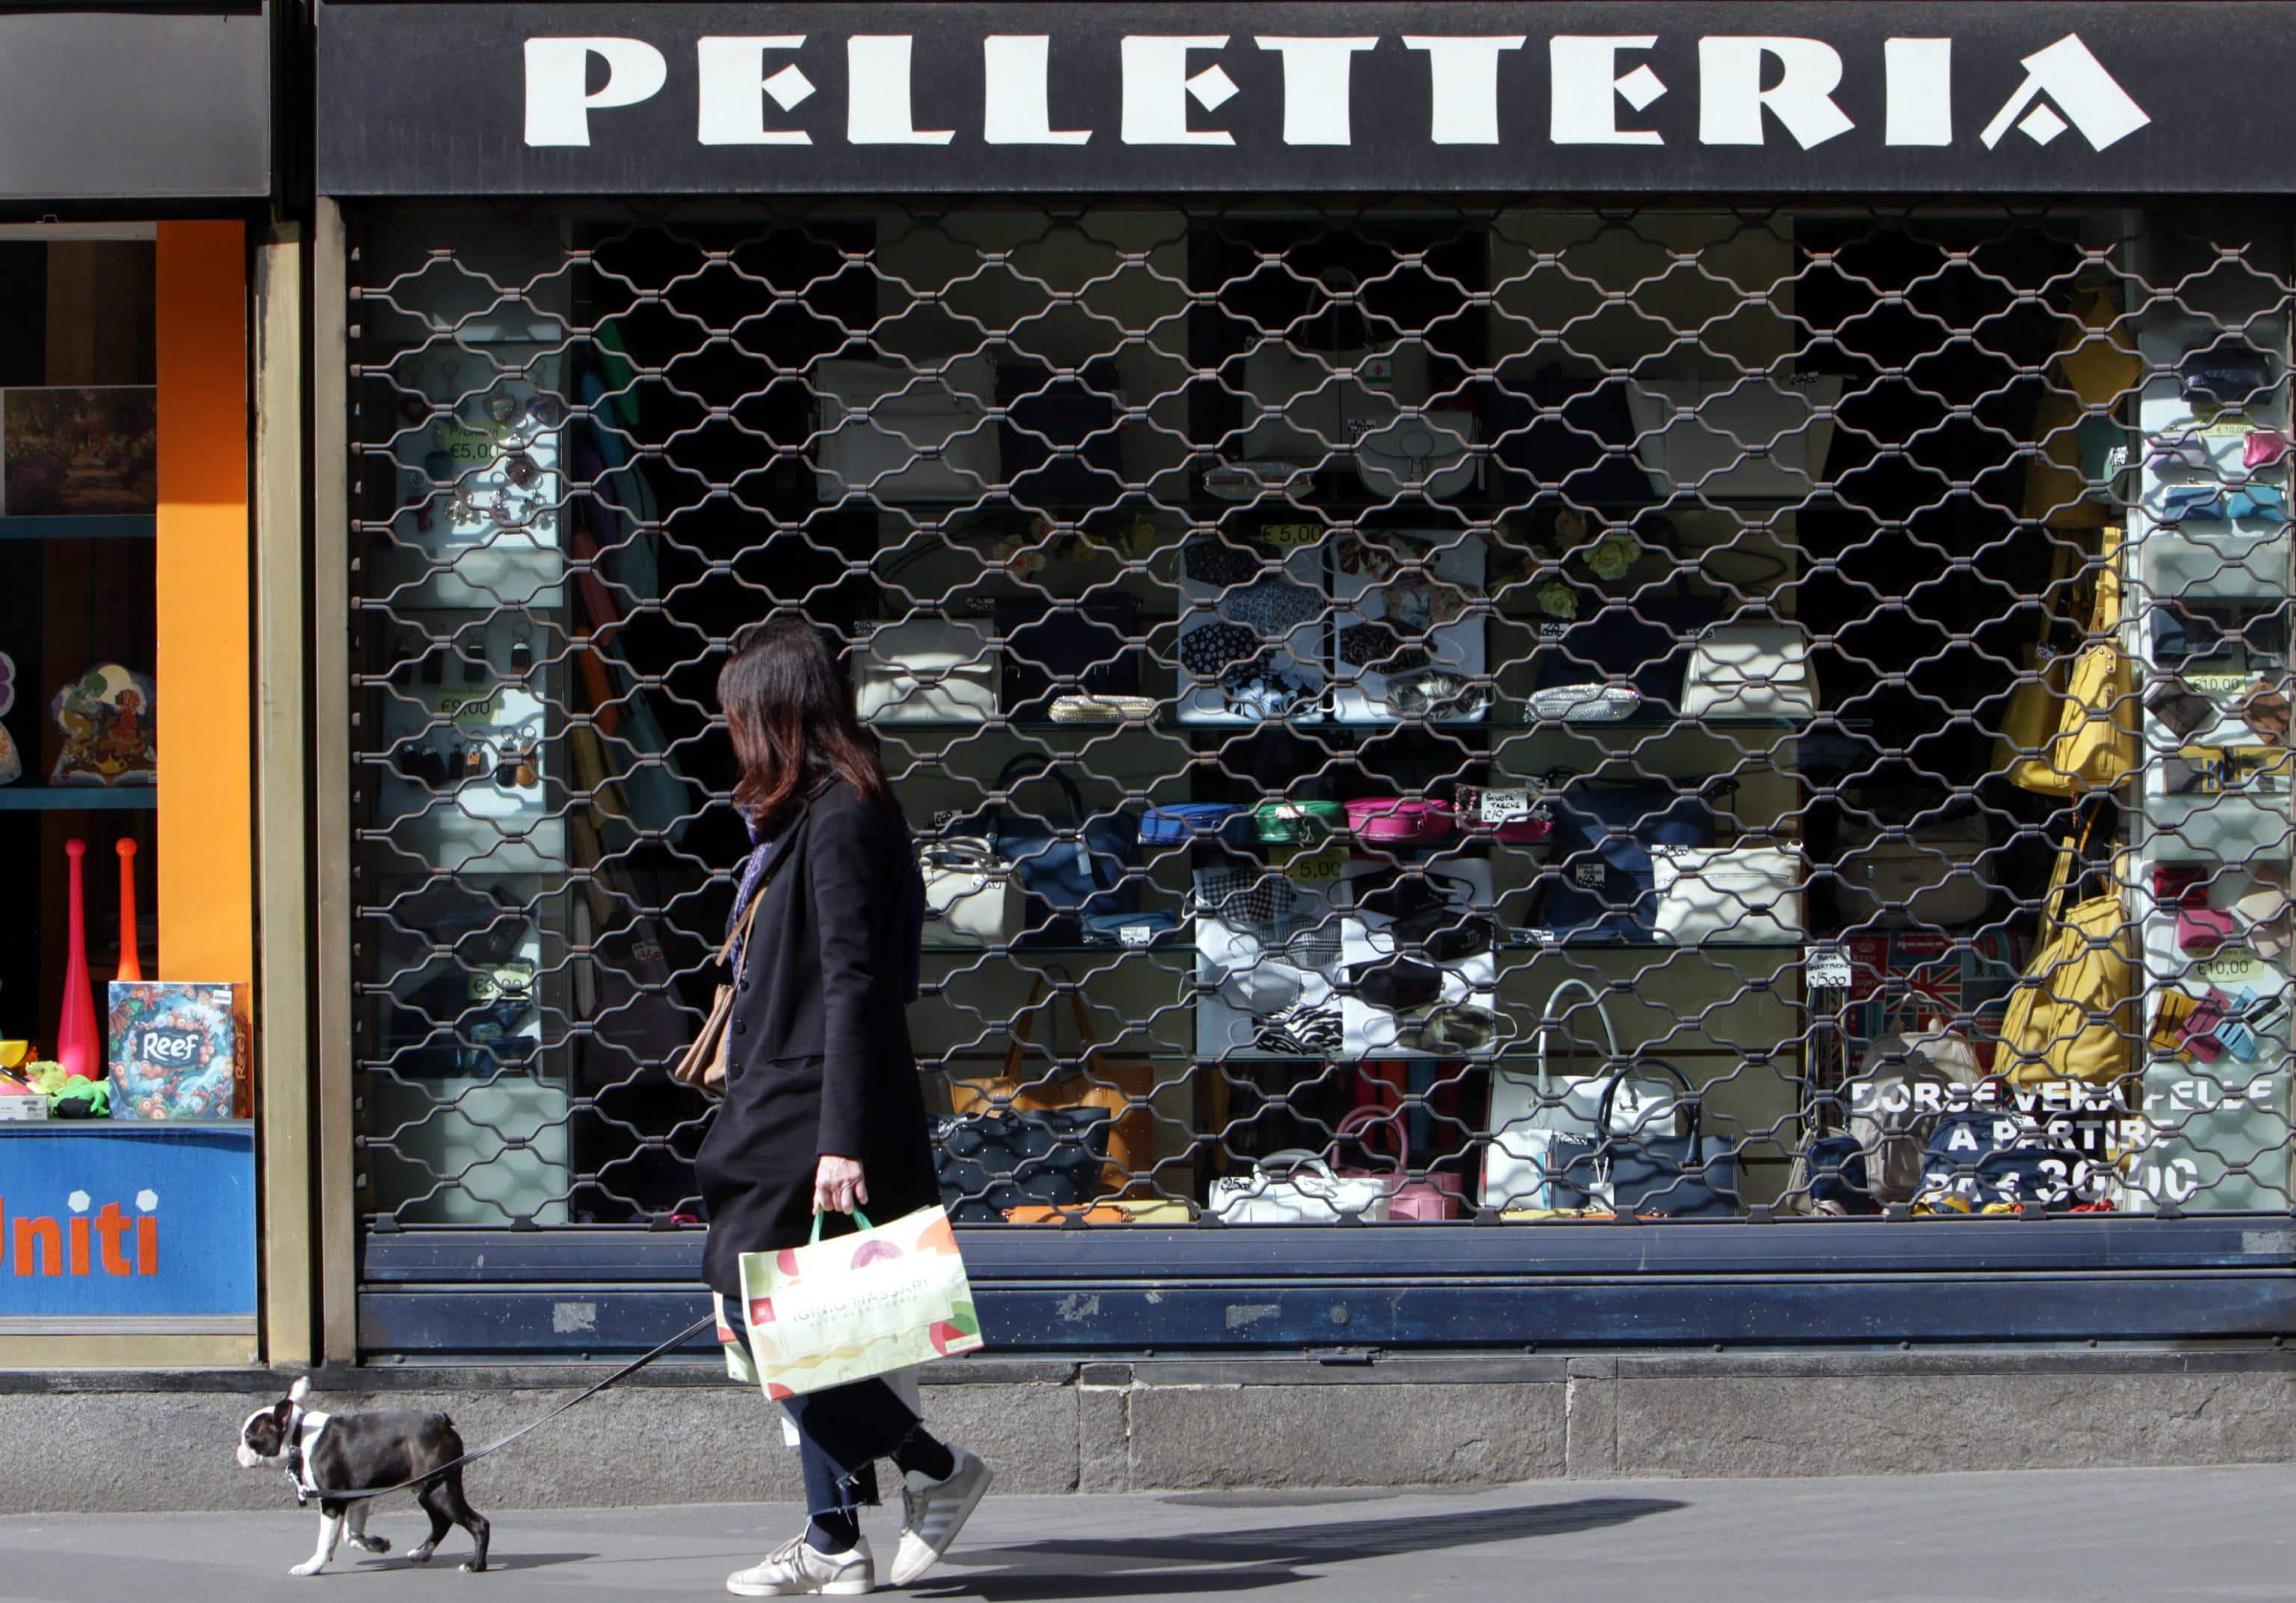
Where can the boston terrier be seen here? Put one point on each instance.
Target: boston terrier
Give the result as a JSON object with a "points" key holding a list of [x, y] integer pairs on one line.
{"points": [[326, 1453]]}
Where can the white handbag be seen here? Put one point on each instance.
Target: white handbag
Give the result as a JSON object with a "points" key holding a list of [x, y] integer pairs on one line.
{"points": [[1296, 1186], [1530, 1110], [1751, 671], [926, 670], [1728, 895], [1925, 874], [1428, 455], [896, 433], [1744, 435], [972, 896]]}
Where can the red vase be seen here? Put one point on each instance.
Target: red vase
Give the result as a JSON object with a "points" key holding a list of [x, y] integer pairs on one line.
{"points": [[77, 1048]]}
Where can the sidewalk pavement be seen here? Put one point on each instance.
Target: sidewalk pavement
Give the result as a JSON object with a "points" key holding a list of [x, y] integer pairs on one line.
{"points": [[2073, 1535]]}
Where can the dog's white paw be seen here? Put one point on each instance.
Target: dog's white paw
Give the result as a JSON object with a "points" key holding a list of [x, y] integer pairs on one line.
{"points": [[473, 1568], [421, 1555], [310, 1566]]}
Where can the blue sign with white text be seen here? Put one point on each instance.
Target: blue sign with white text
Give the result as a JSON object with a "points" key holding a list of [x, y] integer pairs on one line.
{"points": [[126, 1220]]}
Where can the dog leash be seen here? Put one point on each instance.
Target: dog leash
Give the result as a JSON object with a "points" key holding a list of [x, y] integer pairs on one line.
{"points": [[623, 1373]]}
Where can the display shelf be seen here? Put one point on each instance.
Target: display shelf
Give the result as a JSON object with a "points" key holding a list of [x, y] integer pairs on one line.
{"points": [[125, 525], [1182, 941], [79, 798], [117, 1126], [1668, 723]]}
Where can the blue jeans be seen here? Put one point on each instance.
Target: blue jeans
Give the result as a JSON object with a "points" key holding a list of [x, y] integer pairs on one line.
{"points": [[841, 1433]]}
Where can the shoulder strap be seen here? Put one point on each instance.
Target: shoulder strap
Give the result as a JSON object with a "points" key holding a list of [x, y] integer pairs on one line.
{"points": [[739, 936]]}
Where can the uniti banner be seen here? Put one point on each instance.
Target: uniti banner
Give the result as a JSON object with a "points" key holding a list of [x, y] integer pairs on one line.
{"points": [[127, 1227], [1861, 97]]}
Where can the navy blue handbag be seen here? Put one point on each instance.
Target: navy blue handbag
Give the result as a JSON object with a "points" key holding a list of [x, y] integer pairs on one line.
{"points": [[1683, 1176], [1600, 885], [1059, 435], [1071, 867], [1978, 1157], [1189, 823], [1572, 435]]}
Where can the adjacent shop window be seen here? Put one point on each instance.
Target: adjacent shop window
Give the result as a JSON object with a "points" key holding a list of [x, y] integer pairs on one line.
{"points": [[1410, 713], [78, 503]]}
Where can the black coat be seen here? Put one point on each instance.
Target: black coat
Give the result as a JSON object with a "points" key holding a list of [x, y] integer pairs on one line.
{"points": [[819, 1059]]}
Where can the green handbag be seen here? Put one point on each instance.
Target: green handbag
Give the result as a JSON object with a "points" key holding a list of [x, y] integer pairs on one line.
{"points": [[1281, 821]]}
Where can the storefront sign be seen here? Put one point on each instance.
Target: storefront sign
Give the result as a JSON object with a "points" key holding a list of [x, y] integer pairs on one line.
{"points": [[130, 1227], [1676, 98], [134, 105]]}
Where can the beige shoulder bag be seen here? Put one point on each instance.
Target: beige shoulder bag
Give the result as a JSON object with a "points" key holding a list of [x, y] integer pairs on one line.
{"points": [[703, 1064]]}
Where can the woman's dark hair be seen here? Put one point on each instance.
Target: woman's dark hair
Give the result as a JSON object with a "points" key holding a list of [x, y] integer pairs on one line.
{"points": [[790, 710]]}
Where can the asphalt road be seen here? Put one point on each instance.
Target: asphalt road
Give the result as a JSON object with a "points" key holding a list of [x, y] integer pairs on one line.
{"points": [[2131, 1536]]}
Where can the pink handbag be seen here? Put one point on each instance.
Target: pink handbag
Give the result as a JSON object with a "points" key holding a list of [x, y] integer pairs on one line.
{"points": [[1400, 823], [2262, 447], [1429, 1197]]}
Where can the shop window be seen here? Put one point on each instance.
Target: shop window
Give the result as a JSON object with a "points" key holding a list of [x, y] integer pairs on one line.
{"points": [[78, 503], [1697, 714]]}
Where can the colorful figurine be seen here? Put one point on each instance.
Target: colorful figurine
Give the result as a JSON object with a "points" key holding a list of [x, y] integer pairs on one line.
{"points": [[110, 735]]}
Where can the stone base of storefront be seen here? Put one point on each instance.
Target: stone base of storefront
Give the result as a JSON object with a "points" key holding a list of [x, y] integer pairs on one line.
{"points": [[137, 1441]]}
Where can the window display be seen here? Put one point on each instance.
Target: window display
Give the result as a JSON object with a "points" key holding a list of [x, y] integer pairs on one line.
{"points": [[1410, 714]]}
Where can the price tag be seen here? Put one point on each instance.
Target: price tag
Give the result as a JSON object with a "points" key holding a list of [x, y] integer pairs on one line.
{"points": [[1505, 807], [944, 818], [1554, 633], [1137, 935], [465, 444], [1589, 875], [1319, 866], [1826, 968], [1292, 533]]}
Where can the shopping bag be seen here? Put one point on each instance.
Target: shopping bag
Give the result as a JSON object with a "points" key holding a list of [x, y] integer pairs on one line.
{"points": [[858, 1305]]}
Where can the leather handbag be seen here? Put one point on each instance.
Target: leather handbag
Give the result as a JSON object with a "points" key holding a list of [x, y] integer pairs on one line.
{"points": [[1432, 1197], [702, 1065], [1556, 433], [925, 670], [1982, 1160], [1521, 1161], [1280, 820], [1599, 878], [972, 896], [1296, 1186], [1190, 824], [1119, 1091], [988, 1164], [1751, 671], [1393, 821], [1069, 865], [2074, 1015], [1893, 876], [1651, 1174], [894, 432], [1734, 894], [1906, 1080]]}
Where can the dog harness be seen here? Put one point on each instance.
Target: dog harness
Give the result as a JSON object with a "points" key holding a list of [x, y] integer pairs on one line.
{"points": [[299, 1464]]}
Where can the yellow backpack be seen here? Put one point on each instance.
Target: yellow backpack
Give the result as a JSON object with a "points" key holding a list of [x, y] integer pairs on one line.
{"points": [[2074, 1014]]}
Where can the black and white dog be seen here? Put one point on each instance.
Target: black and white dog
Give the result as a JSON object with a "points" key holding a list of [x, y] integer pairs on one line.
{"points": [[359, 1452]]}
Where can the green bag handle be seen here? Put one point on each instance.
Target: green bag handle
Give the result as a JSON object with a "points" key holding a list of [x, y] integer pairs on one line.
{"points": [[817, 1218]]}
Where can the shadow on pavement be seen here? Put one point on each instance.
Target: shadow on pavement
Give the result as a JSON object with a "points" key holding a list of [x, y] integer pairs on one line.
{"points": [[1246, 1560]]}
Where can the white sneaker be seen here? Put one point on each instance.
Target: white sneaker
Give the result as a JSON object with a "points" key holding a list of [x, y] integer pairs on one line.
{"points": [[932, 1512], [797, 1568]]}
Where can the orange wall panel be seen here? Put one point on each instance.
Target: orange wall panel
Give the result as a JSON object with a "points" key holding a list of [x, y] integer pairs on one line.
{"points": [[205, 870]]}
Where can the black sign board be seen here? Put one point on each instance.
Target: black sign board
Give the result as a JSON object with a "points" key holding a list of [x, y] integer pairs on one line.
{"points": [[135, 103], [1866, 96]]}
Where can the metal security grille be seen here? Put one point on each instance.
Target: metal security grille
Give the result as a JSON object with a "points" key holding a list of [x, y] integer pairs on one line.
{"points": [[1410, 712]]}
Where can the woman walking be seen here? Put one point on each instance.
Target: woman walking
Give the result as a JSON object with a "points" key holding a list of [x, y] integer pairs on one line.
{"points": [[823, 1113]]}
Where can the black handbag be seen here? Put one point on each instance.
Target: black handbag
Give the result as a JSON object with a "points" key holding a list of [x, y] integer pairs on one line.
{"points": [[989, 1162], [1055, 648], [1670, 1175], [1058, 436]]}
